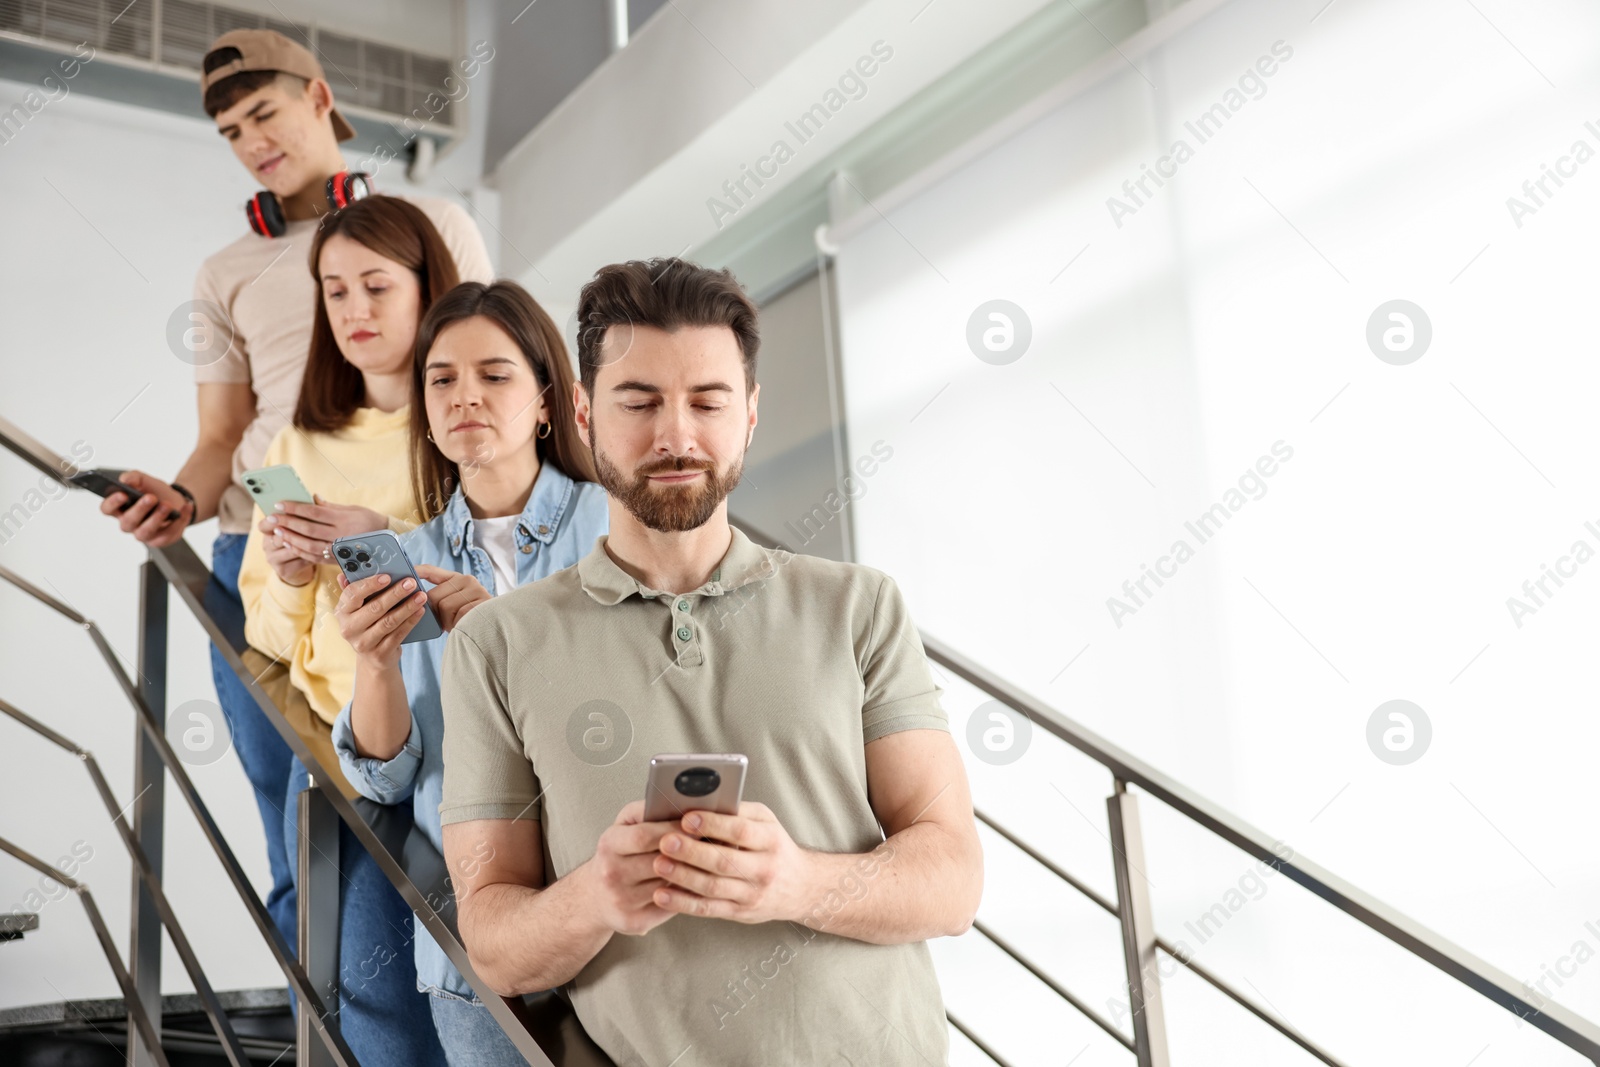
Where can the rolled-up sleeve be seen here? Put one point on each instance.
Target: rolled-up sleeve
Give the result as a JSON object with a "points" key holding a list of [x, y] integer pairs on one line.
{"points": [[387, 781]]}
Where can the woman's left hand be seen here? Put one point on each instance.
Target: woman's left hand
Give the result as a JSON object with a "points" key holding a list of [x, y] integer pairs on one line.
{"points": [[319, 525], [453, 594]]}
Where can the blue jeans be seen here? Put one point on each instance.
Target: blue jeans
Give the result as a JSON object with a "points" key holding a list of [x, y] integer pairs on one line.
{"points": [[383, 1017], [261, 751], [470, 1036]]}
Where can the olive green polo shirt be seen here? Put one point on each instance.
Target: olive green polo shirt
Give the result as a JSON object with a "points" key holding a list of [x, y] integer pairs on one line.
{"points": [[556, 696]]}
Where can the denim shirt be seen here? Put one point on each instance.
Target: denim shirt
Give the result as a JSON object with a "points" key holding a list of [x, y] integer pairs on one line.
{"points": [[558, 527]]}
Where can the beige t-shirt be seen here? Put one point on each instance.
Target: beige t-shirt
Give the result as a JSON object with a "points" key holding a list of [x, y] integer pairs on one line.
{"points": [[265, 288], [557, 694]]}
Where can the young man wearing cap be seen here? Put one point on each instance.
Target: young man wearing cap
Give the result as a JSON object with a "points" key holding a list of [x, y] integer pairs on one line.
{"points": [[252, 318]]}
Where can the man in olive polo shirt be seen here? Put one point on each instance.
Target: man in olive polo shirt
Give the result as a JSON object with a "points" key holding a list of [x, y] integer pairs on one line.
{"points": [[793, 932]]}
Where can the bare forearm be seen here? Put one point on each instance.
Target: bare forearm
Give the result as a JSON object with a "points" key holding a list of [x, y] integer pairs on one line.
{"points": [[524, 940], [922, 882], [380, 714], [207, 474]]}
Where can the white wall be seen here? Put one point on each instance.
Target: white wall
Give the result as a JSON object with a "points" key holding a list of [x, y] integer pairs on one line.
{"points": [[603, 179], [1225, 315], [106, 212]]}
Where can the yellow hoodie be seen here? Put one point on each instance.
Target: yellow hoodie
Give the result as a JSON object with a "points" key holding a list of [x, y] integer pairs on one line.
{"points": [[365, 463]]}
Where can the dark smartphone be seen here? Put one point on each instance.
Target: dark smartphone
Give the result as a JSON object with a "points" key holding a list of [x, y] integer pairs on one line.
{"points": [[102, 481], [370, 554]]}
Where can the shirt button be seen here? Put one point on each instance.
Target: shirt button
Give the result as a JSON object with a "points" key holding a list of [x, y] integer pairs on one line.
{"points": [[526, 549], [683, 605], [544, 529], [684, 633]]}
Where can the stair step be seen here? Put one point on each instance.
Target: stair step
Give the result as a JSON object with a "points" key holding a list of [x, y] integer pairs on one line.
{"points": [[13, 926]]}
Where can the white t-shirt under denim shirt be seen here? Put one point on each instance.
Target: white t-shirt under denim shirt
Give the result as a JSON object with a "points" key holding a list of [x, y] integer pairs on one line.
{"points": [[559, 526], [497, 538]]}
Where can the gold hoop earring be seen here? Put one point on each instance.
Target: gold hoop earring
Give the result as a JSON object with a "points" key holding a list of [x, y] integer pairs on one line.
{"points": [[544, 430]]}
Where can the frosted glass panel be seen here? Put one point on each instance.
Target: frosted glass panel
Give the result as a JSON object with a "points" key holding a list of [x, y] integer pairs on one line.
{"points": [[1246, 393]]}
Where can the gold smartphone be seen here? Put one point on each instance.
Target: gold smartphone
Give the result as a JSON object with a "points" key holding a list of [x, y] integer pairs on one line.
{"points": [[695, 781]]}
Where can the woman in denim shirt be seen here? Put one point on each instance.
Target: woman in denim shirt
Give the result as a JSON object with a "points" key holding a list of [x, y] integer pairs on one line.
{"points": [[509, 491]]}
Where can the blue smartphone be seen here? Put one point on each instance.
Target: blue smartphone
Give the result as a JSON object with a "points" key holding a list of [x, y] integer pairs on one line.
{"points": [[370, 554]]}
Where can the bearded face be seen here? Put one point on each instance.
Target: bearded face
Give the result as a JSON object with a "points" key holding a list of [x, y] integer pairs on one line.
{"points": [[658, 501]]}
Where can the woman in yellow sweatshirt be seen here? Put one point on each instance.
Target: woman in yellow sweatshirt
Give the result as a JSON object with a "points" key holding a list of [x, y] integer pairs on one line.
{"points": [[379, 265]]}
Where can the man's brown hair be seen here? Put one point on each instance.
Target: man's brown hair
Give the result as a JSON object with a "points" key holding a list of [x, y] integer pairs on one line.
{"points": [[667, 293], [512, 308], [229, 91], [396, 229]]}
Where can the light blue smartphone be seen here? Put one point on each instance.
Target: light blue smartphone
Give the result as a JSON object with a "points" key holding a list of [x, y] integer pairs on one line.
{"points": [[370, 554]]}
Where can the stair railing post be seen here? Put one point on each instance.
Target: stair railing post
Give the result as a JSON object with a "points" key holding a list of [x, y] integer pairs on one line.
{"points": [[1138, 928], [318, 920], [149, 809]]}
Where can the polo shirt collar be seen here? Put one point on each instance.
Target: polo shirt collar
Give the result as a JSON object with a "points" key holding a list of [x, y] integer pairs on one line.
{"points": [[541, 515], [608, 584]]}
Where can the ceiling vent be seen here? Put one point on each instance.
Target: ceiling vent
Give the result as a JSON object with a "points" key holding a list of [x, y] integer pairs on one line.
{"points": [[371, 79]]}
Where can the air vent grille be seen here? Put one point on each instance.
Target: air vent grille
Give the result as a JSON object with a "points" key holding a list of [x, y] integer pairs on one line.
{"points": [[363, 73]]}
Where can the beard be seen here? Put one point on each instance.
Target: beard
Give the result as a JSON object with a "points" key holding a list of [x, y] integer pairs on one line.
{"points": [[668, 508]]}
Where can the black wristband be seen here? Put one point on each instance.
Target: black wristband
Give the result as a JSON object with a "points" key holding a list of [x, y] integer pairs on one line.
{"points": [[194, 509]]}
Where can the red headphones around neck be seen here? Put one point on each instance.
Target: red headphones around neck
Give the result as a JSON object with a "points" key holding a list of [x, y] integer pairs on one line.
{"points": [[343, 189]]}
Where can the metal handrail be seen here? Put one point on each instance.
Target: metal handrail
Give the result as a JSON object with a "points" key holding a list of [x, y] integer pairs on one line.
{"points": [[178, 566], [141, 1018], [181, 568], [1567, 1027], [153, 734], [180, 941], [185, 573], [1055, 987], [1186, 960]]}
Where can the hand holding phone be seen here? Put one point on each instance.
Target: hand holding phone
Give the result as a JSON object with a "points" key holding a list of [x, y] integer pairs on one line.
{"points": [[685, 782], [270, 486], [313, 527], [146, 507], [376, 638], [371, 554]]}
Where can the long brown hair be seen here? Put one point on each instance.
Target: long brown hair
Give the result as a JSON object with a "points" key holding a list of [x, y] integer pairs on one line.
{"points": [[396, 229], [512, 308]]}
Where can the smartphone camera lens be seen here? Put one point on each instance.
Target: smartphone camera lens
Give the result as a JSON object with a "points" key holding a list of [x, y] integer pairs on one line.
{"points": [[362, 557], [344, 553], [351, 567], [697, 782]]}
